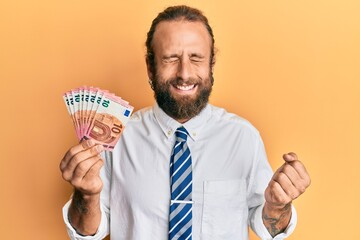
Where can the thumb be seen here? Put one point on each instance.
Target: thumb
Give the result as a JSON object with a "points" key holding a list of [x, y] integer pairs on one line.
{"points": [[290, 157]]}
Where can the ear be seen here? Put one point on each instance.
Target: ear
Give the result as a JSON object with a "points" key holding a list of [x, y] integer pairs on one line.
{"points": [[149, 70]]}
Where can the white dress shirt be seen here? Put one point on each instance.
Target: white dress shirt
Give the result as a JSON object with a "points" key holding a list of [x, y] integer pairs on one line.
{"points": [[230, 174]]}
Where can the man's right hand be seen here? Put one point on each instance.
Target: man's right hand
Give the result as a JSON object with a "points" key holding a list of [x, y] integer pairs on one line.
{"points": [[81, 167]]}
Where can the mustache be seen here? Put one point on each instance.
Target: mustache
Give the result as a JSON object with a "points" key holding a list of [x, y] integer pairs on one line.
{"points": [[180, 81]]}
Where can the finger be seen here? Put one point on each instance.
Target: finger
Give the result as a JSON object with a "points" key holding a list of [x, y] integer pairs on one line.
{"points": [[68, 170], [290, 157], [301, 170], [285, 183], [277, 194], [91, 182], [84, 167], [95, 169], [299, 183], [292, 174], [74, 150], [92, 179]]}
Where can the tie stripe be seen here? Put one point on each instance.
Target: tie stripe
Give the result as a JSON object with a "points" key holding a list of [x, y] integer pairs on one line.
{"points": [[183, 190], [180, 220], [181, 168], [184, 158]]}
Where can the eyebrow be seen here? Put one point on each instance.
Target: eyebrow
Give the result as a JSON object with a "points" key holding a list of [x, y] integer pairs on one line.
{"points": [[197, 55]]}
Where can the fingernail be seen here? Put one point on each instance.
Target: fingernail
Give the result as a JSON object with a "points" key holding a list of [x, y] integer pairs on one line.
{"points": [[91, 142], [99, 148]]}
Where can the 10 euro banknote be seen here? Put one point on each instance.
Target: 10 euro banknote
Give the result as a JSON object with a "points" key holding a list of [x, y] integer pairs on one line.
{"points": [[97, 114]]}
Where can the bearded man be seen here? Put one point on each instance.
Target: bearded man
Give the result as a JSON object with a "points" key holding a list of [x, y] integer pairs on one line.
{"points": [[183, 169]]}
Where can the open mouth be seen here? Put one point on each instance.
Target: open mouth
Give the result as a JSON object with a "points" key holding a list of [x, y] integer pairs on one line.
{"points": [[185, 87]]}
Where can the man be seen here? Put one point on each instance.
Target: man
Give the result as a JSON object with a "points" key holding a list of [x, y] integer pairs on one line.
{"points": [[229, 183]]}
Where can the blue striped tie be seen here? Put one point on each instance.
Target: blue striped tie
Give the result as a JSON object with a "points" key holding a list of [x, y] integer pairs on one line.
{"points": [[180, 224]]}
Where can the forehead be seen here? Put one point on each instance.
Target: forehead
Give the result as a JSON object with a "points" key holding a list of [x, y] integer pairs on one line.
{"points": [[182, 36]]}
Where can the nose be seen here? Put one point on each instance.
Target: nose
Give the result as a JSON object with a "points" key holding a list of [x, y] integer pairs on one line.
{"points": [[184, 70]]}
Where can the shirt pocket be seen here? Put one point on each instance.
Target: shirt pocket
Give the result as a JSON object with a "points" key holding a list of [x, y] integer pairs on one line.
{"points": [[224, 210]]}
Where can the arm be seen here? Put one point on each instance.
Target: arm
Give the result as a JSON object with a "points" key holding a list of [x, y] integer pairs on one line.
{"points": [[287, 184], [84, 213], [80, 167], [276, 219]]}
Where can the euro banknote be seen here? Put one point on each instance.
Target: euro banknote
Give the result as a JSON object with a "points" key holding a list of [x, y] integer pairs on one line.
{"points": [[97, 114]]}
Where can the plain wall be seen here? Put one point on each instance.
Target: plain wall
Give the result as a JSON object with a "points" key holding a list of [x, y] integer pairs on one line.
{"points": [[292, 68]]}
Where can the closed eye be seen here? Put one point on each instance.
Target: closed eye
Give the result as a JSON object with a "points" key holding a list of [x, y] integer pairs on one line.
{"points": [[196, 58], [170, 59]]}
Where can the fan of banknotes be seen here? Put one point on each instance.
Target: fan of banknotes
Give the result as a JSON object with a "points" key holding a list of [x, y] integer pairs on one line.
{"points": [[97, 114]]}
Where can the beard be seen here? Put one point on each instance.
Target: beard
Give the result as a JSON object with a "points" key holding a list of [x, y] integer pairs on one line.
{"points": [[182, 107]]}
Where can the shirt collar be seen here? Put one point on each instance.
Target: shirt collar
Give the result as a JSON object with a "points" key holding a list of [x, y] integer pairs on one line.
{"points": [[193, 126]]}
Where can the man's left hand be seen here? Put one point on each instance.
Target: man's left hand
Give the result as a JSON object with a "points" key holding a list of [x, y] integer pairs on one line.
{"points": [[288, 182]]}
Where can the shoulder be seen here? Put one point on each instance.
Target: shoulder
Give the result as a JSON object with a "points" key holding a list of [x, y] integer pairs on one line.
{"points": [[141, 115], [138, 126], [225, 119], [143, 112], [141, 122]]}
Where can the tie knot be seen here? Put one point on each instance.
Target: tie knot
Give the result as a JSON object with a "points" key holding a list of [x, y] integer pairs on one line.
{"points": [[181, 134]]}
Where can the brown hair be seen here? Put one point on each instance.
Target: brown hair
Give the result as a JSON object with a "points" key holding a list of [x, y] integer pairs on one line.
{"points": [[173, 13]]}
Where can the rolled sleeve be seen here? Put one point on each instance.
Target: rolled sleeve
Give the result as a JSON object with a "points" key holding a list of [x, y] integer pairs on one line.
{"points": [[101, 233], [258, 226]]}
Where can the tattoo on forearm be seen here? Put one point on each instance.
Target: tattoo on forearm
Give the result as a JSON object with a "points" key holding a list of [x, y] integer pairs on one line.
{"points": [[271, 225], [276, 225]]}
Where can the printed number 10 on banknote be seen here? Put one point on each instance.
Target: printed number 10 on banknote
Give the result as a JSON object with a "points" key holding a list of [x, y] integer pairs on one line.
{"points": [[97, 114]]}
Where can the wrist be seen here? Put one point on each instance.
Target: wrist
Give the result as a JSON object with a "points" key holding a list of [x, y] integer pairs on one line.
{"points": [[276, 217], [85, 213], [83, 202], [274, 208]]}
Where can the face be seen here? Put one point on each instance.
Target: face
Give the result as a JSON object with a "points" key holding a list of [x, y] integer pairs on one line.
{"points": [[183, 78]]}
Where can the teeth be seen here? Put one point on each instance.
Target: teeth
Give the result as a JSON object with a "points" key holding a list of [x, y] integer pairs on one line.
{"points": [[185, 88]]}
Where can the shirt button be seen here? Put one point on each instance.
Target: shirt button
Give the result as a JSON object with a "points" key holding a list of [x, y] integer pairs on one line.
{"points": [[169, 133], [194, 134]]}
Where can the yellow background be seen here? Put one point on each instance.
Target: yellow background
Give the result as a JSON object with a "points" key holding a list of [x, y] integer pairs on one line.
{"points": [[290, 67]]}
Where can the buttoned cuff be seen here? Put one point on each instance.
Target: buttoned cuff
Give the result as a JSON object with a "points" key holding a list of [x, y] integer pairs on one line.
{"points": [[100, 234], [263, 233]]}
